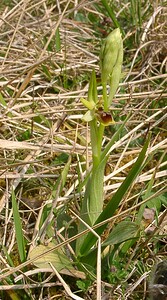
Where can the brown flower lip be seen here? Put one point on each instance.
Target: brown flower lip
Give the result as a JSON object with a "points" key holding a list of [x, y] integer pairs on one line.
{"points": [[104, 117]]}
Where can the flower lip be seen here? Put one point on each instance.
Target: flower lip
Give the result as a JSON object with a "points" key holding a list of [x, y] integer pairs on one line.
{"points": [[104, 117]]}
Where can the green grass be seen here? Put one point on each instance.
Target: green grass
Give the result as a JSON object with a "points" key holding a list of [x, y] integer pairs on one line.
{"points": [[76, 195]]}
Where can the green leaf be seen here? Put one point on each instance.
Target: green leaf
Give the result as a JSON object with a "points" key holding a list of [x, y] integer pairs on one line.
{"points": [[39, 118], [46, 72], [93, 200], [113, 204], [2, 100], [18, 229], [92, 91], [163, 199], [26, 135], [92, 188], [60, 159], [96, 199], [56, 257], [154, 203], [92, 204], [58, 40], [111, 14], [122, 232], [43, 256], [9, 259]]}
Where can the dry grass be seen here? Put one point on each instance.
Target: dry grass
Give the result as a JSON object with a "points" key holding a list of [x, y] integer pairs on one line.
{"points": [[41, 84]]}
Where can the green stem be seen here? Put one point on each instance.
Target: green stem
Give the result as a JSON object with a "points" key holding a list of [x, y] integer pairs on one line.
{"points": [[96, 141]]}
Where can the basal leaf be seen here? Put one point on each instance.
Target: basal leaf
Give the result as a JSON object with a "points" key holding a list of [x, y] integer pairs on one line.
{"points": [[113, 204], [56, 257], [122, 232]]}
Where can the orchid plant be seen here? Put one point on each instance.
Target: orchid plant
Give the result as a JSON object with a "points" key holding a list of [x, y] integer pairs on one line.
{"points": [[98, 116], [93, 215]]}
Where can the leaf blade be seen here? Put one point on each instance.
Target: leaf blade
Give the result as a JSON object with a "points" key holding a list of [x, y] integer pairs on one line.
{"points": [[112, 205], [18, 229]]}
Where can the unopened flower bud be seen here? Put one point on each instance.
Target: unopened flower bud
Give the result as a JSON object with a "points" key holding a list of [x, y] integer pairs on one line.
{"points": [[111, 62]]}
